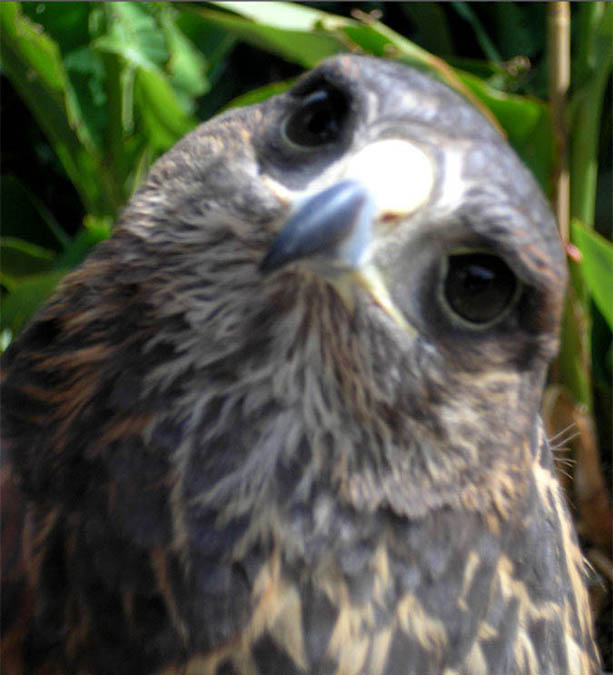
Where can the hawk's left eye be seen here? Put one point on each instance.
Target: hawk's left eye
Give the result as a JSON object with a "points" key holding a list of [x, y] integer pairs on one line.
{"points": [[319, 119], [479, 287]]}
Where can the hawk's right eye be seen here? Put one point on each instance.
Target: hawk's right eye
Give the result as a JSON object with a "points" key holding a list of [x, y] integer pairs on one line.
{"points": [[479, 287], [319, 118]]}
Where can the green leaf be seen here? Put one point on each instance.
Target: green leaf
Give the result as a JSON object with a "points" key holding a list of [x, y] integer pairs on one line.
{"points": [[291, 31], [214, 44], [66, 23], [161, 112], [88, 79], [597, 266], [19, 258], [26, 297], [283, 15], [186, 66], [134, 35]]}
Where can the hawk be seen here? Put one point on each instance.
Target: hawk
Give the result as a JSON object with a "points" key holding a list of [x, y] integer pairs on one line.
{"points": [[286, 419]]}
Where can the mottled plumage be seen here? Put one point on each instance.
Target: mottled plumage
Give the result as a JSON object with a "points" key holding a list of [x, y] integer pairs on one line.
{"points": [[286, 419]]}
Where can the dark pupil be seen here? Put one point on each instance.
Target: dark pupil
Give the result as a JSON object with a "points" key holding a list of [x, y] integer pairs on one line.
{"points": [[479, 286], [318, 120]]}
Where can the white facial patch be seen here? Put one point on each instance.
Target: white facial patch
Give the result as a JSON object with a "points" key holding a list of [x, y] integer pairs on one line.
{"points": [[398, 174]]}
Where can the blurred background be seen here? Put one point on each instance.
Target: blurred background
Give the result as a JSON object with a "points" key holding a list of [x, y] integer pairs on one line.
{"points": [[93, 93]]}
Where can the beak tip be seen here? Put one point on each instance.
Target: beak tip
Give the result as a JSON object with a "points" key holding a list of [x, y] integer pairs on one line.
{"points": [[270, 262]]}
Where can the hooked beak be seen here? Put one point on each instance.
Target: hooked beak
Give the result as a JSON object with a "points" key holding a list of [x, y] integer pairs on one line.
{"points": [[334, 224], [337, 228]]}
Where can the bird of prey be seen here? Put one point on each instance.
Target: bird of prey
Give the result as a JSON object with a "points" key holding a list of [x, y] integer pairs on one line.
{"points": [[286, 419]]}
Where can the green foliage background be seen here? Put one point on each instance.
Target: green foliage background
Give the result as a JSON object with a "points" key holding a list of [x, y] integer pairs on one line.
{"points": [[92, 93]]}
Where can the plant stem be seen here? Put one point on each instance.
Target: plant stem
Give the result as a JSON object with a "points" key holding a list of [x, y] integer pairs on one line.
{"points": [[559, 82]]}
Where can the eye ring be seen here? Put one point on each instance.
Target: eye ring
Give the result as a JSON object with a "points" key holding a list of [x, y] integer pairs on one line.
{"points": [[318, 120], [477, 288]]}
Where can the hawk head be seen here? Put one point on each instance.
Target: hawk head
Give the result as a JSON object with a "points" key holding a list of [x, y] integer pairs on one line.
{"points": [[290, 409], [367, 256]]}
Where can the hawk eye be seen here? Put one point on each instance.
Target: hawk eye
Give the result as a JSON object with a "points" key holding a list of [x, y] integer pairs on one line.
{"points": [[319, 118], [479, 287]]}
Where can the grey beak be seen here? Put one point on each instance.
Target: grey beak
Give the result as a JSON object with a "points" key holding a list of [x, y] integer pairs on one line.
{"points": [[334, 224]]}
